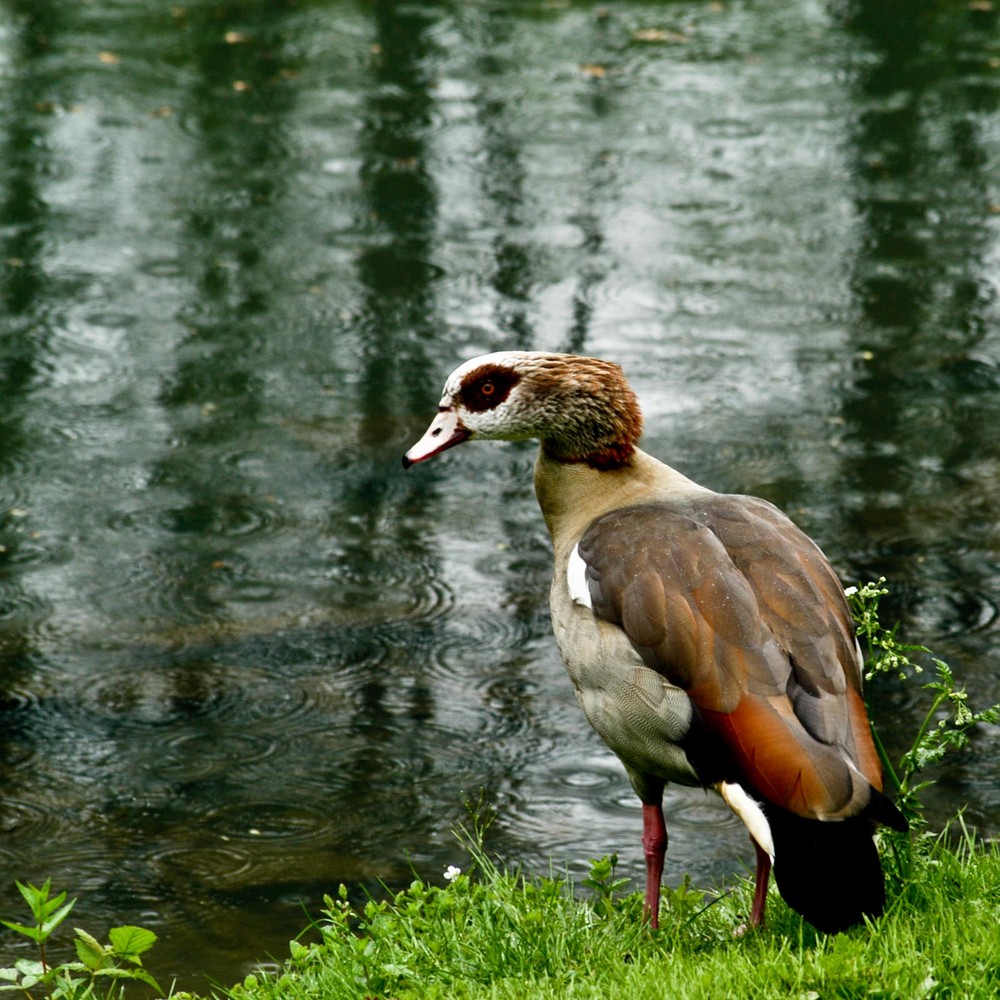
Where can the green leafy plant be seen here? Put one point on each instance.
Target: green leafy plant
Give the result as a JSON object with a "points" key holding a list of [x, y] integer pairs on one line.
{"points": [[949, 721], [947, 725], [118, 960], [604, 884]]}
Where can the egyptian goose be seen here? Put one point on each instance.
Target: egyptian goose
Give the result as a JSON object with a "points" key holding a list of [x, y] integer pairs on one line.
{"points": [[707, 637]]}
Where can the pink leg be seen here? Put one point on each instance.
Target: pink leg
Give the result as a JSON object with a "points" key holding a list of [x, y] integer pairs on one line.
{"points": [[760, 886], [654, 846]]}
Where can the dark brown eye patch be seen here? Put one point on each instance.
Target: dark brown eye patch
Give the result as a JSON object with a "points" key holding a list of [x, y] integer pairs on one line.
{"points": [[487, 387]]}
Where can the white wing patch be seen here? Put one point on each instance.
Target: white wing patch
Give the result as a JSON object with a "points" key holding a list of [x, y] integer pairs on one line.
{"points": [[576, 579], [750, 812]]}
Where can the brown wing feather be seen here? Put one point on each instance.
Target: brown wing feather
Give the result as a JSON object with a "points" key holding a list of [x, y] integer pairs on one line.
{"points": [[727, 599], [782, 766]]}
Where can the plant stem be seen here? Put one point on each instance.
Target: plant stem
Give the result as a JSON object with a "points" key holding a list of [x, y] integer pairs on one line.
{"points": [[887, 767]]}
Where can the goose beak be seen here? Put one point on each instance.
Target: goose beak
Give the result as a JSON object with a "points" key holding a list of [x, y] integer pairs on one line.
{"points": [[444, 432]]}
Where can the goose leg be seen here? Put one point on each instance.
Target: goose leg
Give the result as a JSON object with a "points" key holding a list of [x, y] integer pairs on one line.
{"points": [[654, 847]]}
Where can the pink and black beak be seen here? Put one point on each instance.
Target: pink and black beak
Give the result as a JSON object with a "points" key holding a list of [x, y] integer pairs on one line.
{"points": [[444, 432]]}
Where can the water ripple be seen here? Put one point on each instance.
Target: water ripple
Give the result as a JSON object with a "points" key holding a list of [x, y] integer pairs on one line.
{"points": [[969, 610], [196, 756], [401, 590], [215, 866], [30, 821], [270, 821], [232, 516], [21, 610]]}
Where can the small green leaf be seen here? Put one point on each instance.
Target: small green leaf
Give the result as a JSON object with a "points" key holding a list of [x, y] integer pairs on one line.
{"points": [[48, 905], [34, 896], [138, 975], [144, 977], [52, 922], [34, 933], [131, 942], [89, 950], [31, 971], [68, 986]]}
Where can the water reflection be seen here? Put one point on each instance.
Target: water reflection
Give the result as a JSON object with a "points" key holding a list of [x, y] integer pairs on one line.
{"points": [[926, 293], [24, 327], [242, 656]]}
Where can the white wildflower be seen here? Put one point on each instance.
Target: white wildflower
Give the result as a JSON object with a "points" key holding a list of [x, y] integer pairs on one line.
{"points": [[452, 872], [850, 591]]}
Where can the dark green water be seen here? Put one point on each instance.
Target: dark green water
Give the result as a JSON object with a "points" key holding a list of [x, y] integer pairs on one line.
{"points": [[243, 656]]}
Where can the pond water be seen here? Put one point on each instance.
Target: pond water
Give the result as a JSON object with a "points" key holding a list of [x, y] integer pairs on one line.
{"points": [[243, 656]]}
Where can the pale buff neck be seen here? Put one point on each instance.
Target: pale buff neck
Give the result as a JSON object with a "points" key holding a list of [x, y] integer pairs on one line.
{"points": [[572, 494]]}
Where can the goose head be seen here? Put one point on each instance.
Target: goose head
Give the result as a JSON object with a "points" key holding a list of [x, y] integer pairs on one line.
{"points": [[580, 409]]}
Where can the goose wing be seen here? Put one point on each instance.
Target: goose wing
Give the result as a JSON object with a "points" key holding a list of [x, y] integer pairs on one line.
{"points": [[727, 599]]}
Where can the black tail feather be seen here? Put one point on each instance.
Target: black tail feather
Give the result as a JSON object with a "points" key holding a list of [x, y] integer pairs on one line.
{"points": [[828, 872], [883, 809]]}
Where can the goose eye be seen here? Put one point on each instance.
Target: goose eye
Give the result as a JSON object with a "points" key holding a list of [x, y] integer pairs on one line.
{"points": [[487, 388]]}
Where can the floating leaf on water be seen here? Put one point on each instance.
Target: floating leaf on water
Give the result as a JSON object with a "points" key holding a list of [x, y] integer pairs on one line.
{"points": [[660, 35]]}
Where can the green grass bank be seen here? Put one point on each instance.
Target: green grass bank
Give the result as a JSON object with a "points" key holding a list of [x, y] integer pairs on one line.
{"points": [[493, 933]]}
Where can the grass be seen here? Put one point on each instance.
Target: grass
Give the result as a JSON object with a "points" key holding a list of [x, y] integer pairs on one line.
{"points": [[493, 933]]}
